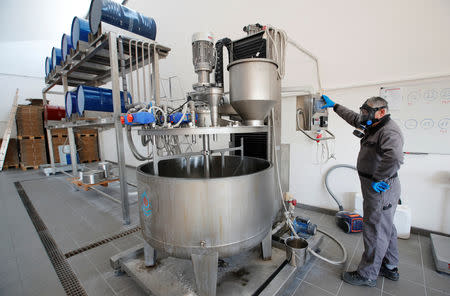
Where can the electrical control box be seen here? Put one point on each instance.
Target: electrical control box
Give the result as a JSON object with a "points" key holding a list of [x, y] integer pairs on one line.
{"points": [[309, 113]]}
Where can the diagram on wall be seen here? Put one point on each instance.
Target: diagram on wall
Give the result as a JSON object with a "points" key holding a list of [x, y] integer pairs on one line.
{"points": [[422, 111]]}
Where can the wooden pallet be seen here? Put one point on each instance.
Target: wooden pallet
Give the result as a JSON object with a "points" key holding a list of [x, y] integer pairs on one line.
{"points": [[90, 160], [59, 135], [86, 187], [29, 137], [86, 135], [10, 166], [26, 167]]}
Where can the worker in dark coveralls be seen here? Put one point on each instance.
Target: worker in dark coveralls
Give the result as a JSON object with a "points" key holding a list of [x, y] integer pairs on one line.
{"points": [[380, 157]]}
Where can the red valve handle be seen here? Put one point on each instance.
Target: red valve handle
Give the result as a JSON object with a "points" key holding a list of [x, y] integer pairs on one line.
{"points": [[122, 119], [130, 117], [293, 202]]}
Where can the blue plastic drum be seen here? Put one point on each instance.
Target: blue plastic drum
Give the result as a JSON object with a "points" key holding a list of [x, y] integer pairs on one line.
{"points": [[66, 45], [56, 57], [120, 16], [48, 66], [98, 99], [71, 103], [80, 31]]}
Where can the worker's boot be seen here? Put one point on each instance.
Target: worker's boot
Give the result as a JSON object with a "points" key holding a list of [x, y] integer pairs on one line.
{"points": [[354, 278], [391, 274]]}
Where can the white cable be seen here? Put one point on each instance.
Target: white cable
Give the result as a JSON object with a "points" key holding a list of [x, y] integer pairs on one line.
{"points": [[154, 114]]}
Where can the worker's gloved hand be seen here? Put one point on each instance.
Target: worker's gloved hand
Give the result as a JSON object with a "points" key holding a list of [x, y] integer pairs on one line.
{"points": [[328, 102], [380, 186]]}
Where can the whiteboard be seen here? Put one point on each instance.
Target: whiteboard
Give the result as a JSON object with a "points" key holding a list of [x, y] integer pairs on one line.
{"points": [[422, 110]]}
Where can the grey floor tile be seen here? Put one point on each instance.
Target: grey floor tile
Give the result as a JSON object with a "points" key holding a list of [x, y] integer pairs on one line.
{"points": [[411, 257], [403, 287], [127, 242], [9, 272], [13, 288], [326, 279], [433, 292], [119, 283], [349, 290], [411, 272], [134, 290], [306, 289], [97, 286], [100, 256], [83, 267], [436, 280]]}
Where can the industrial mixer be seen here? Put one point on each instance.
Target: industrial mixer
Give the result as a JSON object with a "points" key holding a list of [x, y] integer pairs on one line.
{"points": [[206, 204]]}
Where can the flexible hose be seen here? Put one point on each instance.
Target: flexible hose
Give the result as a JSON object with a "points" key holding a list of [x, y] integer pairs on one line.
{"points": [[344, 251], [341, 208], [133, 148]]}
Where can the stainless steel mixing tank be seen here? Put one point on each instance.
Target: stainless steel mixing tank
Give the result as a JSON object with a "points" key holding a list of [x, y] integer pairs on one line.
{"points": [[184, 213]]}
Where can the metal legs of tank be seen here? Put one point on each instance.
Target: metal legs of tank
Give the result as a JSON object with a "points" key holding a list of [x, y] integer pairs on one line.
{"points": [[266, 247], [205, 270], [149, 255]]}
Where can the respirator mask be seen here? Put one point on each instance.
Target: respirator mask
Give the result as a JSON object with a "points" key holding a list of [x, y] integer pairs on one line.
{"points": [[367, 118]]}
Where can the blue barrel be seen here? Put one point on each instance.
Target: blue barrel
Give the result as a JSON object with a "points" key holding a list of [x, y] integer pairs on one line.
{"points": [[120, 16], [80, 31], [97, 99], [56, 57], [66, 45], [48, 66], [71, 103]]}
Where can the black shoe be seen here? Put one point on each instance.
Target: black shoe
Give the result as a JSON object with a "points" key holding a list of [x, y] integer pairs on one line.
{"points": [[391, 274], [354, 278]]}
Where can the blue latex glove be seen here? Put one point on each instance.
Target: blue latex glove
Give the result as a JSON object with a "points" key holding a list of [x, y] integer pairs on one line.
{"points": [[328, 102], [380, 186]]}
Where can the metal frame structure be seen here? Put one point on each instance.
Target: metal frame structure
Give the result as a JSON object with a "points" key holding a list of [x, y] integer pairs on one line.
{"points": [[96, 63]]}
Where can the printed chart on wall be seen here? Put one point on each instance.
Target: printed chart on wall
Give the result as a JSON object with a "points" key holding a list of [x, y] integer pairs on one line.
{"points": [[422, 111]]}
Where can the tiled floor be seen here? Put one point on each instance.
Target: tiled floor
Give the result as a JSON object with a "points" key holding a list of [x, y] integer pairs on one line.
{"points": [[76, 218]]}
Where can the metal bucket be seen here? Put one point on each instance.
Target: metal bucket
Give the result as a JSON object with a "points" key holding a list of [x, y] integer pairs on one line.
{"points": [[296, 251], [105, 167]]}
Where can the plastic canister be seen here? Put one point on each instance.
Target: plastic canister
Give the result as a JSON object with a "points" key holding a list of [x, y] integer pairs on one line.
{"points": [[402, 221], [402, 217], [358, 203]]}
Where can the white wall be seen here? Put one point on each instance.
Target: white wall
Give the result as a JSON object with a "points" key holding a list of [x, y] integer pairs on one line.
{"points": [[357, 42]]}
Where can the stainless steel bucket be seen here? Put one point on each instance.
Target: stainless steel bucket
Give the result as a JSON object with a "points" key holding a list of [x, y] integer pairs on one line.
{"points": [[296, 251]]}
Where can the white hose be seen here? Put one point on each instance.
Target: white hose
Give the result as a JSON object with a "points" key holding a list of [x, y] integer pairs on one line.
{"points": [[159, 109]]}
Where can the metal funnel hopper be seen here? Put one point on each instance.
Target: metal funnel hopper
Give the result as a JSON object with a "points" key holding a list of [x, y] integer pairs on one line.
{"points": [[254, 88]]}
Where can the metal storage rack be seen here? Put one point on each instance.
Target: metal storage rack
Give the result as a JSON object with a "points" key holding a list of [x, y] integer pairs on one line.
{"points": [[96, 63]]}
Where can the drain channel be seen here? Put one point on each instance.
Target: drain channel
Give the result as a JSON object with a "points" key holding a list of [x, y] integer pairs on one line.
{"points": [[102, 242], [67, 277]]}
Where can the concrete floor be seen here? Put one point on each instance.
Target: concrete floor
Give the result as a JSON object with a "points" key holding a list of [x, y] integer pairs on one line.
{"points": [[76, 218]]}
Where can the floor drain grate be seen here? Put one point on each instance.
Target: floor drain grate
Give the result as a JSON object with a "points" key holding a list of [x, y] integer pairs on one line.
{"points": [[66, 276], [102, 242]]}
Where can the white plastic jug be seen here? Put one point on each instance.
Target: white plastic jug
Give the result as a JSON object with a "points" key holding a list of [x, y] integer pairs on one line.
{"points": [[402, 221]]}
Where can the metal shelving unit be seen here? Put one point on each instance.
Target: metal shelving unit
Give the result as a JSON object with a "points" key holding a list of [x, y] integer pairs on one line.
{"points": [[96, 63]]}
